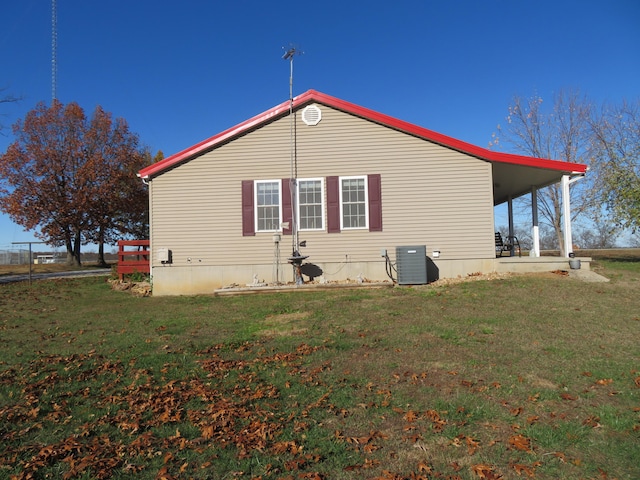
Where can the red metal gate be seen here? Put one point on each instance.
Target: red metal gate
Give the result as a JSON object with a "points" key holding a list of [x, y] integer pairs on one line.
{"points": [[133, 257]]}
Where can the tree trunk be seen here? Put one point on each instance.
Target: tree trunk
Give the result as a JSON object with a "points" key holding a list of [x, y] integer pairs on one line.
{"points": [[69, 246], [73, 257], [560, 238], [101, 260], [556, 199]]}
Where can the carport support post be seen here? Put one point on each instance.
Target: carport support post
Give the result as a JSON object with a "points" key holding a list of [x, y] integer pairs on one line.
{"points": [[566, 215], [535, 231], [566, 212], [511, 234]]}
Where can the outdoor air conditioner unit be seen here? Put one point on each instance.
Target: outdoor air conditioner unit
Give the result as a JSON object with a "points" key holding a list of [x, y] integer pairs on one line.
{"points": [[411, 264]]}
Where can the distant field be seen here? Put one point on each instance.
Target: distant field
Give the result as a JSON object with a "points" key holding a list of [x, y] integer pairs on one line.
{"points": [[44, 268], [522, 377], [604, 254]]}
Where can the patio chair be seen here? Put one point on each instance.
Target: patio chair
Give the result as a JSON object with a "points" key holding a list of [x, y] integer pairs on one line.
{"points": [[511, 245]]}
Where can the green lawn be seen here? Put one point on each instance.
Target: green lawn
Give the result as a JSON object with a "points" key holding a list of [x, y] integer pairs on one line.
{"points": [[534, 376]]}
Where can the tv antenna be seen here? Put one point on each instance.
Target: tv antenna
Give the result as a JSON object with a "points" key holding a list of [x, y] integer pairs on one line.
{"points": [[289, 55], [54, 50], [295, 259]]}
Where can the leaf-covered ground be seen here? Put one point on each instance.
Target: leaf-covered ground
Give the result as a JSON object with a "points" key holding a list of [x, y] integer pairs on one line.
{"points": [[523, 377]]}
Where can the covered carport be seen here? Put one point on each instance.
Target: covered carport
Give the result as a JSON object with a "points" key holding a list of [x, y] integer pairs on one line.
{"points": [[515, 176]]}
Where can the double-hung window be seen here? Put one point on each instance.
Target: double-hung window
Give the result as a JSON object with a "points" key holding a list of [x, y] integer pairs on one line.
{"points": [[311, 204], [353, 203], [330, 204], [268, 205]]}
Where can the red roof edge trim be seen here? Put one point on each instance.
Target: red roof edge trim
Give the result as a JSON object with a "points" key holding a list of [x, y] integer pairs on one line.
{"points": [[380, 118], [447, 141], [211, 142]]}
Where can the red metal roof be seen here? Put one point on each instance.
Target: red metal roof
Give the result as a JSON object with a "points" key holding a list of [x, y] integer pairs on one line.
{"points": [[312, 96]]}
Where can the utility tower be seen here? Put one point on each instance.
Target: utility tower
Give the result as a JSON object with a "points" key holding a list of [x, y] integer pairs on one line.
{"points": [[54, 51]]}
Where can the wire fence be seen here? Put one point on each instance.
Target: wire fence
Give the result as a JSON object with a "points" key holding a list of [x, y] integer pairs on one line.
{"points": [[14, 256]]}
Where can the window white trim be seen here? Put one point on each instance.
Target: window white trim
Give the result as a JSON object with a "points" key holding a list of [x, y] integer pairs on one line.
{"points": [[365, 201], [277, 227], [322, 204]]}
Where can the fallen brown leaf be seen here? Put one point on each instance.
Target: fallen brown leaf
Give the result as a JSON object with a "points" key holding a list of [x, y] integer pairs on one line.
{"points": [[520, 442], [486, 472]]}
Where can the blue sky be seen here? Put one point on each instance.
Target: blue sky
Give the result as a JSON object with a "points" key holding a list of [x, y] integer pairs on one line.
{"points": [[180, 72]]}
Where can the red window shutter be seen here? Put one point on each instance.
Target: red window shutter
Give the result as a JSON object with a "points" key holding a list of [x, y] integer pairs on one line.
{"points": [[287, 210], [248, 222], [333, 205], [375, 203]]}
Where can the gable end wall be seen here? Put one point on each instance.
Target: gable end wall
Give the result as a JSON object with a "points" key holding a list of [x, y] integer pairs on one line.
{"points": [[431, 195]]}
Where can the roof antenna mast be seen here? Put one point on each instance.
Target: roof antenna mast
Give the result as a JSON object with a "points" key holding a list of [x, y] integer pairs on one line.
{"points": [[54, 50], [289, 55], [296, 259]]}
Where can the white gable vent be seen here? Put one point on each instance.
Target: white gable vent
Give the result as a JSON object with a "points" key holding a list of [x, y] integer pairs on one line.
{"points": [[311, 115]]}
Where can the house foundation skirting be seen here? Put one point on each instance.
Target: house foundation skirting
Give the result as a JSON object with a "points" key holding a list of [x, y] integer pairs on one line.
{"points": [[202, 279]]}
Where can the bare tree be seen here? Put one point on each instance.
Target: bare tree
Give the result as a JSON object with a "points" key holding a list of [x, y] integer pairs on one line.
{"points": [[7, 98], [601, 232], [559, 134]]}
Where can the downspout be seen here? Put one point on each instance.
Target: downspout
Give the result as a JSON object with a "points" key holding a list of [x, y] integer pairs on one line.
{"points": [[145, 181]]}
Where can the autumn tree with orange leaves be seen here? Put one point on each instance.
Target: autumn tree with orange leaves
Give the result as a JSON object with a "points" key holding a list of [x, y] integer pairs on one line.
{"points": [[73, 177]]}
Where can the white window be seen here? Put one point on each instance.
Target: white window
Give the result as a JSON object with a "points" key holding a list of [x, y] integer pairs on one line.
{"points": [[268, 205], [311, 204], [354, 203]]}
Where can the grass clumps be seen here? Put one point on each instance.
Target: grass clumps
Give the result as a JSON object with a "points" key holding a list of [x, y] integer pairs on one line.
{"points": [[522, 377]]}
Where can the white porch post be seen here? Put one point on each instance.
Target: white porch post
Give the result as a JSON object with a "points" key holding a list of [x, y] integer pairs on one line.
{"points": [[535, 231], [566, 215]]}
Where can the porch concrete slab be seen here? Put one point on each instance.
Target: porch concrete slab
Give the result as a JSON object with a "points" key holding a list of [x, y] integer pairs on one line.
{"points": [[537, 264], [587, 276]]}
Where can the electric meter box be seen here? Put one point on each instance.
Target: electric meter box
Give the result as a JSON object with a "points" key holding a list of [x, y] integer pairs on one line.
{"points": [[164, 255], [411, 264]]}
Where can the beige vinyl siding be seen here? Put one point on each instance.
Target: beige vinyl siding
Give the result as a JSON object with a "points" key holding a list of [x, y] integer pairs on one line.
{"points": [[431, 195]]}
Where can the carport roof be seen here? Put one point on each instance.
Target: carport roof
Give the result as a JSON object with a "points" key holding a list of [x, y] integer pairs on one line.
{"points": [[513, 175]]}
